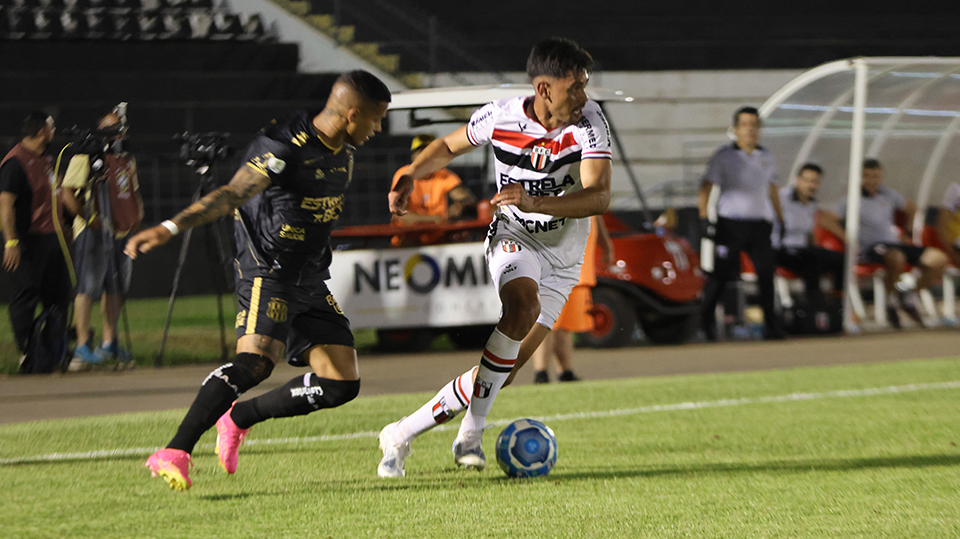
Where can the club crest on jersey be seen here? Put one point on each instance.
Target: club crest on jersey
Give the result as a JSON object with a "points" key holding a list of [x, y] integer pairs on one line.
{"points": [[510, 246], [540, 156]]}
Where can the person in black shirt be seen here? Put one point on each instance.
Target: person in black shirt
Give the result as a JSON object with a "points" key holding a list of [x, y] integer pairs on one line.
{"points": [[32, 250], [285, 199]]}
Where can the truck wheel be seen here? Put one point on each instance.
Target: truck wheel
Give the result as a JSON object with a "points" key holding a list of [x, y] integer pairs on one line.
{"points": [[471, 337], [404, 340], [614, 320], [670, 329]]}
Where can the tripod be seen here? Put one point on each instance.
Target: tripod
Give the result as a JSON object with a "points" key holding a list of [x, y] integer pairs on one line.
{"points": [[205, 185]]}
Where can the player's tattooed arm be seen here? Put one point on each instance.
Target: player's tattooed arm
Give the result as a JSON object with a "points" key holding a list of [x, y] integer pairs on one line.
{"points": [[246, 183]]}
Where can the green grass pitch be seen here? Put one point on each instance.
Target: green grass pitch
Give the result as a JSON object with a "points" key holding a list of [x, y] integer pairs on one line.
{"points": [[805, 453]]}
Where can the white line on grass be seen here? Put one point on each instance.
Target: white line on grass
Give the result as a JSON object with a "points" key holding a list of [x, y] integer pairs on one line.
{"points": [[793, 397]]}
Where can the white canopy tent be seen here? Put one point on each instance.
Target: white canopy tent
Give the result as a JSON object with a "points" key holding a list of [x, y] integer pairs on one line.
{"points": [[903, 111]]}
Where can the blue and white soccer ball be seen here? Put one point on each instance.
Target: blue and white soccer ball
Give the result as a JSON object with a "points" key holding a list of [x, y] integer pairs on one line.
{"points": [[526, 448]]}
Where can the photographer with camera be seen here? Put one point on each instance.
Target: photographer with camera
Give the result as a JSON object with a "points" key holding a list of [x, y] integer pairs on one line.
{"points": [[102, 171], [32, 251]]}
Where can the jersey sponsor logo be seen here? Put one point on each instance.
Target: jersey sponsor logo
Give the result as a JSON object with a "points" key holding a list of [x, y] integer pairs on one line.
{"points": [[540, 156], [535, 227], [480, 119], [543, 187], [509, 269], [292, 232], [330, 206], [509, 246], [277, 310], [333, 303]]}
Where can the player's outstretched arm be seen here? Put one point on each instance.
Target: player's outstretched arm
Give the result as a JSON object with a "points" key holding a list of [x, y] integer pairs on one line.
{"points": [[593, 199], [246, 183], [435, 156]]}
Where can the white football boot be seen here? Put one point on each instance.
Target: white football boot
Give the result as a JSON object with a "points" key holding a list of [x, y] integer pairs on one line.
{"points": [[468, 450], [394, 451]]}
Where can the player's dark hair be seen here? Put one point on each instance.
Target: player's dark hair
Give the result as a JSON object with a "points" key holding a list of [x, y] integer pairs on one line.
{"points": [[811, 166], [33, 123], [744, 110], [557, 57], [367, 85], [871, 164]]}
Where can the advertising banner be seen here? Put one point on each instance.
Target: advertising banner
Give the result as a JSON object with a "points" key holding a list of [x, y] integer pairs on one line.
{"points": [[435, 286]]}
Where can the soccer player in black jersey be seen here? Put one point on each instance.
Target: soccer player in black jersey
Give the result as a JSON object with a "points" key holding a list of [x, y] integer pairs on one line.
{"points": [[285, 199]]}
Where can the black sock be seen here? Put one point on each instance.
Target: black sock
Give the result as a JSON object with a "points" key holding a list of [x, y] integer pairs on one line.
{"points": [[299, 396], [218, 391], [212, 401]]}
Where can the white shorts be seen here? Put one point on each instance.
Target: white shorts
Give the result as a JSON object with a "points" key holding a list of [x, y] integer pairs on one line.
{"points": [[508, 259]]}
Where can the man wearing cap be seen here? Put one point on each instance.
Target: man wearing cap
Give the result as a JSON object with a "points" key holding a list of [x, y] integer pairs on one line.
{"points": [[429, 200]]}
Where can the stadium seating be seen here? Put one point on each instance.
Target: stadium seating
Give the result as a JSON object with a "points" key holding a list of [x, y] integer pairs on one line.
{"points": [[125, 20], [630, 35]]}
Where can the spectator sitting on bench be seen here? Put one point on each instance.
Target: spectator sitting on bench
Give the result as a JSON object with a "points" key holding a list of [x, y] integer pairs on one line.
{"points": [[879, 242], [795, 247]]}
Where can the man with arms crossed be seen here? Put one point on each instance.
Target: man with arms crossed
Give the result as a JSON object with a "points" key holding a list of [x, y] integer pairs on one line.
{"points": [[285, 198], [552, 154]]}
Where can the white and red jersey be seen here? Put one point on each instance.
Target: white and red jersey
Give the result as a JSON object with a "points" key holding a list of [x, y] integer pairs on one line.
{"points": [[546, 163]]}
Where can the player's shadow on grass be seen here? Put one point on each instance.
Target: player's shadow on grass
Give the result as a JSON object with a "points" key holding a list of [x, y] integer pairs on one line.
{"points": [[441, 478], [787, 466]]}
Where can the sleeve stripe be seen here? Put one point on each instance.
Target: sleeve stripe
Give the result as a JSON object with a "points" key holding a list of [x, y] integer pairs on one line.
{"points": [[258, 169], [471, 138]]}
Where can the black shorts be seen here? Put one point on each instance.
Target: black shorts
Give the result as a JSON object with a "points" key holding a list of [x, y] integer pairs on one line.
{"points": [[299, 316], [874, 254]]}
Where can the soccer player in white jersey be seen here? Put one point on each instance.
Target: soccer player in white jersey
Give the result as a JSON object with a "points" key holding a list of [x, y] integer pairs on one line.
{"points": [[552, 154]]}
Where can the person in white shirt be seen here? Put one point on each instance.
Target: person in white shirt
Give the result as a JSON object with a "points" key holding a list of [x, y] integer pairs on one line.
{"points": [[552, 152]]}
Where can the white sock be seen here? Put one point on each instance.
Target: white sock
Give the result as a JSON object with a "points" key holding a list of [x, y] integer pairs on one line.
{"points": [[497, 361], [444, 406]]}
